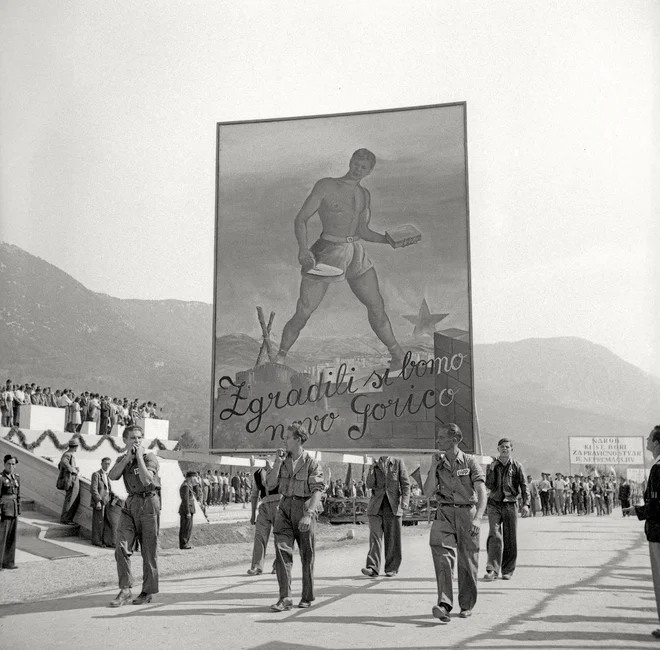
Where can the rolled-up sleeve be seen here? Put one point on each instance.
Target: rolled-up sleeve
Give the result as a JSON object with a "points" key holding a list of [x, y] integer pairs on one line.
{"points": [[476, 470], [315, 480], [151, 463]]}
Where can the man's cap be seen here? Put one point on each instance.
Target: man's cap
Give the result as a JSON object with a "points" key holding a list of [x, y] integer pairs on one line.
{"points": [[73, 442], [9, 457]]}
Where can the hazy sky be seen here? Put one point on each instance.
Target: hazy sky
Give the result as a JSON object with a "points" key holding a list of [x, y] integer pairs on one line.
{"points": [[108, 130]]}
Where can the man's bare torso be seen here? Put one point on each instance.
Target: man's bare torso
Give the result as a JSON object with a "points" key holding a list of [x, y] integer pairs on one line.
{"points": [[341, 206]]}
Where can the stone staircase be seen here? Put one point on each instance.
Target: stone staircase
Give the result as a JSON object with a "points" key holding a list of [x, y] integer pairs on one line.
{"points": [[41, 535]]}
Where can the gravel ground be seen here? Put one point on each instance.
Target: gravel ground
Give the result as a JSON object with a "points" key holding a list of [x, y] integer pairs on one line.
{"points": [[51, 579]]}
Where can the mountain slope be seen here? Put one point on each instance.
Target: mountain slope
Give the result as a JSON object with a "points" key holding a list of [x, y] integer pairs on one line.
{"points": [[537, 391], [56, 332]]}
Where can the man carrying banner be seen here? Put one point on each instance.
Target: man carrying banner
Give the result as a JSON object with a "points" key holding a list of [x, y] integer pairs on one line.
{"points": [[390, 485], [299, 479], [505, 478], [264, 520], [457, 480]]}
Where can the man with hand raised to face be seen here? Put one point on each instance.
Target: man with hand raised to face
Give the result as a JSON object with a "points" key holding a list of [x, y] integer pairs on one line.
{"points": [[299, 479], [505, 478], [457, 481], [139, 518]]}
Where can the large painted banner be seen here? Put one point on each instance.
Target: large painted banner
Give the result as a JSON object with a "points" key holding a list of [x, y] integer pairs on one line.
{"points": [[342, 281]]}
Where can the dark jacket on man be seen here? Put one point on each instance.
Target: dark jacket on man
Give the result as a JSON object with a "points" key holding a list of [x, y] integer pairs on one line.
{"points": [[187, 495], [100, 489], [513, 482], [650, 511], [392, 481]]}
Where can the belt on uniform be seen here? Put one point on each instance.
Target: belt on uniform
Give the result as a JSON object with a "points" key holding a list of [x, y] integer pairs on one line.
{"points": [[143, 494], [457, 505], [293, 496], [340, 240]]}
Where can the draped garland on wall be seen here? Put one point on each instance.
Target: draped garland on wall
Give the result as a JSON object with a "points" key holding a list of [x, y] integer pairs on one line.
{"points": [[15, 432]]}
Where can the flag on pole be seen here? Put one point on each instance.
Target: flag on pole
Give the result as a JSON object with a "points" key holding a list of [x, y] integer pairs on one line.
{"points": [[417, 475]]}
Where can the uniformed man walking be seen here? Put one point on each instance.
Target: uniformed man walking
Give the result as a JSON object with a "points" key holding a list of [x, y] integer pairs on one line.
{"points": [[10, 509], [186, 511], [457, 480], [300, 482], [388, 479], [263, 519], [139, 519]]}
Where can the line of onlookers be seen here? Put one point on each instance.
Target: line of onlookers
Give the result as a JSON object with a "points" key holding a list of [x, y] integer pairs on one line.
{"points": [[106, 411], [581, 495]]}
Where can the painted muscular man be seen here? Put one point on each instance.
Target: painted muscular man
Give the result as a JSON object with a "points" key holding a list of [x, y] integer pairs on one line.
{"points": [[343, 206]]}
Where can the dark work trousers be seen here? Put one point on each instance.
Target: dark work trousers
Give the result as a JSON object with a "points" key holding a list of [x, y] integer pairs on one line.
{"points": [[102, 529], [266, 515], [545, 503], [8, 541], [451, 542], [625, 503], [71, 503], [385, 526], [502, 543], [139, 520], [185, 530], [286, 531]]}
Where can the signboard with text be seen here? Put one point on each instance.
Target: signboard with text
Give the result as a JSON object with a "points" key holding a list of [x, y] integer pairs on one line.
{"points": [[636, 474], [342, 281], [623, 450]]}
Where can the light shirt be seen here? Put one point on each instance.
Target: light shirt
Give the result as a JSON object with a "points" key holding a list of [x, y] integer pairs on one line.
{"points": [[297, 463]]}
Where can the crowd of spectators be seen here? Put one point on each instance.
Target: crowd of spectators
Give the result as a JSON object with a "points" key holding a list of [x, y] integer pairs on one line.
{"points": [[106, 411], [581, 495], [215, 488]]}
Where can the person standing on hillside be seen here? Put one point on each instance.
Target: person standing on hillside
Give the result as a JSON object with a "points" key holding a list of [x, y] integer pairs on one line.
{"points": [[457, 481], [67, 480], [7, 406], [505, 478], [139, 519], [390, 484]]}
